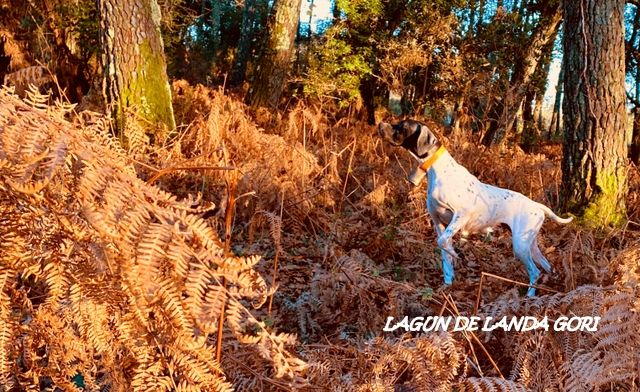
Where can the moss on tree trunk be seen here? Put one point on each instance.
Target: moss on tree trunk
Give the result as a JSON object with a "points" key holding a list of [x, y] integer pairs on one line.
{"points": [[135, 76], [594, 162], [276, 56]]}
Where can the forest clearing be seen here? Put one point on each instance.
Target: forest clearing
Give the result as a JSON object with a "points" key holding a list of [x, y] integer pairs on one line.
{"points": [[196, 196]]}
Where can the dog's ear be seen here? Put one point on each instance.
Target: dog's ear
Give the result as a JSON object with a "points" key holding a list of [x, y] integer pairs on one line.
{"points": [[426, 142]]}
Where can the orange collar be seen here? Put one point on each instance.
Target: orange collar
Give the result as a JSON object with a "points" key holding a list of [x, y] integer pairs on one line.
{"points": [[431, 160]]}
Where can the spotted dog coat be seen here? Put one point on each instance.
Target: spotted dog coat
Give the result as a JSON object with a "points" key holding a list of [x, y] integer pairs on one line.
{"points": [[458, 202]]}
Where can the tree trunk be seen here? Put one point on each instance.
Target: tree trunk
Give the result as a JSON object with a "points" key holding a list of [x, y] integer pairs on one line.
{"points": [[528, 121], [523, 6], [543, 34], [276, 56], [244, 44], [472, 17], [367, 93], [594, 162], [533, 132], [480, 15], [554, 125], [135, 74], [216, 24], [634, 148]]}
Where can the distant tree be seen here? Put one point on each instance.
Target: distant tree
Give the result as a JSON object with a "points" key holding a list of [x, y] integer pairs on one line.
{"points": [[134, 64], [532, 130], [632, 59], [277, 54], [554, 125], [244, 45], [526, 65], [595, 151]]}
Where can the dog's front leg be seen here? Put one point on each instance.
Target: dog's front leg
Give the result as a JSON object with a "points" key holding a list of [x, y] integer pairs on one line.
{"points": [[447, 262], [445, 239]]}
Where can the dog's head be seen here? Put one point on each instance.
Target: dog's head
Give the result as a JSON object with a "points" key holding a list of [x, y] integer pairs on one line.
{"points": [[412, 135]]}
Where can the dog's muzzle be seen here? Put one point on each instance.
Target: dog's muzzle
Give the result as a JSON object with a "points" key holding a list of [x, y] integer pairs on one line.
{"points": [[416, 176]]}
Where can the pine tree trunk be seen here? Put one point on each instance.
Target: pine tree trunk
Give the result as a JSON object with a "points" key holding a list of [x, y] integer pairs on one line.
{"points": [[275, 60], [135, 74], [594, 162], [244, 44], [543, 34]]}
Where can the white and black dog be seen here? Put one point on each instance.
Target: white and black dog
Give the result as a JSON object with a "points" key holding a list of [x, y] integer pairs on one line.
{"points": [[458, 202]]}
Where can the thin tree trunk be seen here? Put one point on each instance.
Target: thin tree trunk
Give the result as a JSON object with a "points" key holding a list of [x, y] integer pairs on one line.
{"points": [[480, 15], [244, 44], [135, 72], [275, 60], [554, 125], [634, 148], [472, 17], [594, 162], [458, 113], [533, 132], [543, 34], [523, 6], [216, 38], [528, 120]]}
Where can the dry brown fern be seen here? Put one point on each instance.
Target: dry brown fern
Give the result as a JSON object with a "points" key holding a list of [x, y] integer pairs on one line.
{"points": [[106, 280]]}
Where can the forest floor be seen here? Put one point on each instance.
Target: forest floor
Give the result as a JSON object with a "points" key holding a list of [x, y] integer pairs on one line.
{"points": [[328, 201], [338, 230]]}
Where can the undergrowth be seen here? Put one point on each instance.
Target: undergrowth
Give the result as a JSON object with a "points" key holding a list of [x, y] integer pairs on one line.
{"points": [[113, 271]]}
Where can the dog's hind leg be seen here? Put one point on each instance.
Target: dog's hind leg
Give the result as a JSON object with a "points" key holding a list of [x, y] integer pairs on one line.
{"points": [[522, 251], [539, 258], [524, 234]]}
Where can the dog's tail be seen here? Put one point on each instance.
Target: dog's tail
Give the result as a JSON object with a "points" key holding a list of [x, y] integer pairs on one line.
{"points": [[553, 216]]}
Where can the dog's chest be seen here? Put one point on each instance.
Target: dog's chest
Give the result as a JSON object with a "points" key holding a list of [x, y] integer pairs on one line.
{"points": [[451, 189]]}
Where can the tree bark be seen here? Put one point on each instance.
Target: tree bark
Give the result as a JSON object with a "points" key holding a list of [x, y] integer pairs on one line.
{"points": [[275, 60], [545, 32], [135, 71], [595, 152]]}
